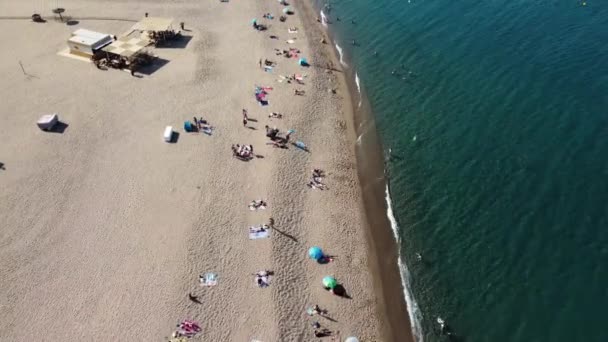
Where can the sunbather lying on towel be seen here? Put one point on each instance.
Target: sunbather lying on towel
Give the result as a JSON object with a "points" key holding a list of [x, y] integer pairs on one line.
{"points": [[316, 185], [262, 278], [244, 152], [274, 115], [271, 132], [257, 204], [259, 229]]}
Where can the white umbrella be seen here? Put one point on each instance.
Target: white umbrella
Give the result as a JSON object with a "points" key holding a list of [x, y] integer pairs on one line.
{"points": [[351, 339]]}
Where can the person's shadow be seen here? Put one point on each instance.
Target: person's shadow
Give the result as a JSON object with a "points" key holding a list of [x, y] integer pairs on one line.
{"points": [[194, 298], [287, 235]]}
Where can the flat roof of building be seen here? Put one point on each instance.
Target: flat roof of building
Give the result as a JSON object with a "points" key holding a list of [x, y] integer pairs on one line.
{"points": [[154, 24], [88, 37]]}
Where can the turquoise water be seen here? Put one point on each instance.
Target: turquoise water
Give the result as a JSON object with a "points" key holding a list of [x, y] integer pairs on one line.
{"points": [[497, 121]]}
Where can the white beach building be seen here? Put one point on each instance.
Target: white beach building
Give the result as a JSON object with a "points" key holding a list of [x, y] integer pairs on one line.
{"points": [[84, 42]]}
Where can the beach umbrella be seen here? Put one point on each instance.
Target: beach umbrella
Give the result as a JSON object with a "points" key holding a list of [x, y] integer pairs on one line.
{"points": [[315, 253], [330, 282], [351, 339]]}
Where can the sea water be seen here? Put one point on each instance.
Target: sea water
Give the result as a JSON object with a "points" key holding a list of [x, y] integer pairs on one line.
{"points": [[496, 116]]}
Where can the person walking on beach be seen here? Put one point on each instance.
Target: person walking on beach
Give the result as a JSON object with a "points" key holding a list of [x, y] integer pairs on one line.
{"points": [[260, 63], [244, 117]]}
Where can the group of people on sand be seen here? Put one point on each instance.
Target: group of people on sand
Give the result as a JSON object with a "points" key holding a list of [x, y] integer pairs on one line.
{"points": [[275, 115], [319, 331], [290, 53], [202, 125], [244, 152], [276, 140], [316, 181], [262, 278], [187, 328]]}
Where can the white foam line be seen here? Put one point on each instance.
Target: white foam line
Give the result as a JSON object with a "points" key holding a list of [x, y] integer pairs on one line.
{"points": [[323, 18], [341, 54], [412, 306], [358, 88]]}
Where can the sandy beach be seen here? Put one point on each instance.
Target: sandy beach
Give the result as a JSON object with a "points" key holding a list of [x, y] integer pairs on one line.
{"points": [[106, 228]]}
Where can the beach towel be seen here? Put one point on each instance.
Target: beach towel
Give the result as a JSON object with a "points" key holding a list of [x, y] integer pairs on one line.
{"points": [[295, 30], [301, 145], [208, 279], [267, 68], [179, 339], [255, 234], [290, 41]]}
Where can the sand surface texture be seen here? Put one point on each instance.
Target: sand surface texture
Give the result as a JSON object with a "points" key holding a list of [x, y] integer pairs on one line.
{"points": [[106, 228]]}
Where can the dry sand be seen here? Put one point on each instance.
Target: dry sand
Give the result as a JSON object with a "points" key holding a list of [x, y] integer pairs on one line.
{"points": [[105, 228]]}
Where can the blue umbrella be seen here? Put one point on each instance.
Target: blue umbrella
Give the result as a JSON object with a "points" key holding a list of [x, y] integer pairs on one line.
{"points": [[315, 253]]}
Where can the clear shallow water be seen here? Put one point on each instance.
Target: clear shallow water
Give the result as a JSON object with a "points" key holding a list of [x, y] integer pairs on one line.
{"points": [[499, 168]]}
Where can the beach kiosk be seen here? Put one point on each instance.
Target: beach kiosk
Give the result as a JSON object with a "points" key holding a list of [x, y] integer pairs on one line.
{"points": [[125, 52], [156, 29], [85, 43]]}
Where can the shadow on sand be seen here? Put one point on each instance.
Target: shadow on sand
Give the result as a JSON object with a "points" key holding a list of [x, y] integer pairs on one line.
{"points": [[59, 127], [180, 43], [152, 68]]}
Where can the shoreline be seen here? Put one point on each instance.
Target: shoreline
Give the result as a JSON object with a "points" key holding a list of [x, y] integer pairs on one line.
{"points": [[383, 251]]}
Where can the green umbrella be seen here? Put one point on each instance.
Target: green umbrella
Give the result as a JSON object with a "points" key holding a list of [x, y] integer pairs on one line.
{"points": [[330, 282]]}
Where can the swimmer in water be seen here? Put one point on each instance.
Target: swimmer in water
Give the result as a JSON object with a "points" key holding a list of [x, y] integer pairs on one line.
{"points": [[445, 330], [337, 18], [354, 42], [418, 256], [375, 53]]}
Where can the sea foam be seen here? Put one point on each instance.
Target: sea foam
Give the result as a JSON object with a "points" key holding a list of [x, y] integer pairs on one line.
{"points": [[323, 18], [358, 88], [341, 54], [412, 306]]}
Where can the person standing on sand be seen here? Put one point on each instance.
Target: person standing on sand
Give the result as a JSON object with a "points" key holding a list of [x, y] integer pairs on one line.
{"points": [[146, 14], [244, 117]]}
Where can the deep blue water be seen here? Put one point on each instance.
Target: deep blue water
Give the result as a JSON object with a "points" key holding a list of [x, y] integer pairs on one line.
{"points": [[497, 119]]}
